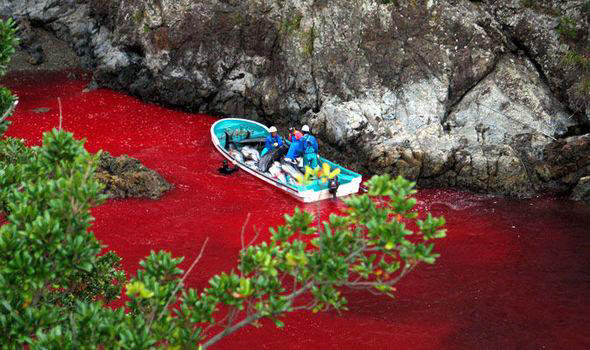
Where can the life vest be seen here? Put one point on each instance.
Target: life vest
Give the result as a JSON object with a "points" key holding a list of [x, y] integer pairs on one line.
{"points": [[308, 144], [296, 134]]}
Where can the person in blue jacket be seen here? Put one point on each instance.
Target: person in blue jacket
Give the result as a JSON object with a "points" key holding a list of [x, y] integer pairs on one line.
{"points": [[310, 148], [272, 141]]}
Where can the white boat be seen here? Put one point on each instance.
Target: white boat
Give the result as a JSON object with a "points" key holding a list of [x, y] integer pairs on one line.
{"points": [[243, 131]]}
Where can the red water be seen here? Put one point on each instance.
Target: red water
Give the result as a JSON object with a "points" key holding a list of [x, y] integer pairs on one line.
{"points": [[512, 274]]}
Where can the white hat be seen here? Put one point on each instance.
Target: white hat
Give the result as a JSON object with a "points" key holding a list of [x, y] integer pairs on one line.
{"points": [[305, 128], [272, 129]]}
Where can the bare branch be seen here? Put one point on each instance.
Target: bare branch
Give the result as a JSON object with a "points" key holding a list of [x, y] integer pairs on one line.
{"points": [[252, 318], [243, 229], [231, 329], [60, 114], [181, 283]]}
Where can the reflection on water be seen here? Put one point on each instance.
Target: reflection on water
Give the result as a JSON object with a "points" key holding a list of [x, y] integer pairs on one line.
{"points": [[512, 274]]}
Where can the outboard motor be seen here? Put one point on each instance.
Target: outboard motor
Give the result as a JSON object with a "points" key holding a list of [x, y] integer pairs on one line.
{"points": [[333, 185]]}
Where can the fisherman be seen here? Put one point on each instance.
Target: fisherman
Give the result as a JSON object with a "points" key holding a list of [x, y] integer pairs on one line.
{"points": [[333, 185], [295, 149], [226, 169], [310, 148], [294, 134], [272, 141]]}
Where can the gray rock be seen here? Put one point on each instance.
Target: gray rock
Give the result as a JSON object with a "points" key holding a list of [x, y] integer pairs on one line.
{"points": [[554, 35], [582, 190], [29, 42], [447, 92], [125, 177]]}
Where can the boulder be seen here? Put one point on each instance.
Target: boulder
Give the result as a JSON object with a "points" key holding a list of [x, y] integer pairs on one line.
{"points": [[125, 177], [582, 190]]}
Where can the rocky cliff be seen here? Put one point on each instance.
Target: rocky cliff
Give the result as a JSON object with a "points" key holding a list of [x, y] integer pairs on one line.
{"points": [[483, 95]]}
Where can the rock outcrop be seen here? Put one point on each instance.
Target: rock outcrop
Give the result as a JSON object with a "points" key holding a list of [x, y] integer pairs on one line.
{"points": [[447, 92], [125, 177], [565, 162], [582, 190]]}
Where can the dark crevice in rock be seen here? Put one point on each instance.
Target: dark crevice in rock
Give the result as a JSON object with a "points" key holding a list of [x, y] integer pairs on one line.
{"points": [[576, 130], [39, 23], [522, 49], [135, 50], [208, 100], [452, 105], [318, 102], [29, 41]]}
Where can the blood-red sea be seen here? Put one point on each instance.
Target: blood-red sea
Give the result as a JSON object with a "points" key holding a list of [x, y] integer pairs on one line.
{"points": [[513, 274]]}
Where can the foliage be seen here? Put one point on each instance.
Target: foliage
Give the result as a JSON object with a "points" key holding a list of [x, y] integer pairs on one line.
{"points": [[567, 27], [48, 259], [309, 37], [573, 58], [291, 24], [51, 281], [8, 42], [13, 155]]}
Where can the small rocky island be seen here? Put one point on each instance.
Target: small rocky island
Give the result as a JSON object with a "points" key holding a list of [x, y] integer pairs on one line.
{"points": [[125, 177]]}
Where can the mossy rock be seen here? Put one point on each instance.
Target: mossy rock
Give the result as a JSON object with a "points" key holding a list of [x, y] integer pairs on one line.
{"points": [[126, 177]]}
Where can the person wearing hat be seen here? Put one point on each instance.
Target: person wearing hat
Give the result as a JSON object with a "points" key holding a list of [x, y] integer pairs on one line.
{"points": [[310, 148], [294, 135], [296, 147], [272, 141]]}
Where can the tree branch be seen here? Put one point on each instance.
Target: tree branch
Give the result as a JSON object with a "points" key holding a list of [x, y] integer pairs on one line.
{"points": [[181, 283], [251, 318]]}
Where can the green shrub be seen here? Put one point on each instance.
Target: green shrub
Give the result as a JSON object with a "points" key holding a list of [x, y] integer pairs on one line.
{"points": [[573, 58], [52, 280], [308, 38], [49, 261], [8, 42], [567, 27], [291, 24], [54, 283]]}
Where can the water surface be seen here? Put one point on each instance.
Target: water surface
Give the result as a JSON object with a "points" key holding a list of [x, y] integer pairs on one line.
{"points": [[512, 274]]}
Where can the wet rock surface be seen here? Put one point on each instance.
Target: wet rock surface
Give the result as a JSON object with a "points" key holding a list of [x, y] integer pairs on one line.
{"points": [[582, 190], [566, 162], [30, 43], [125, 177], [447, 92]]}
